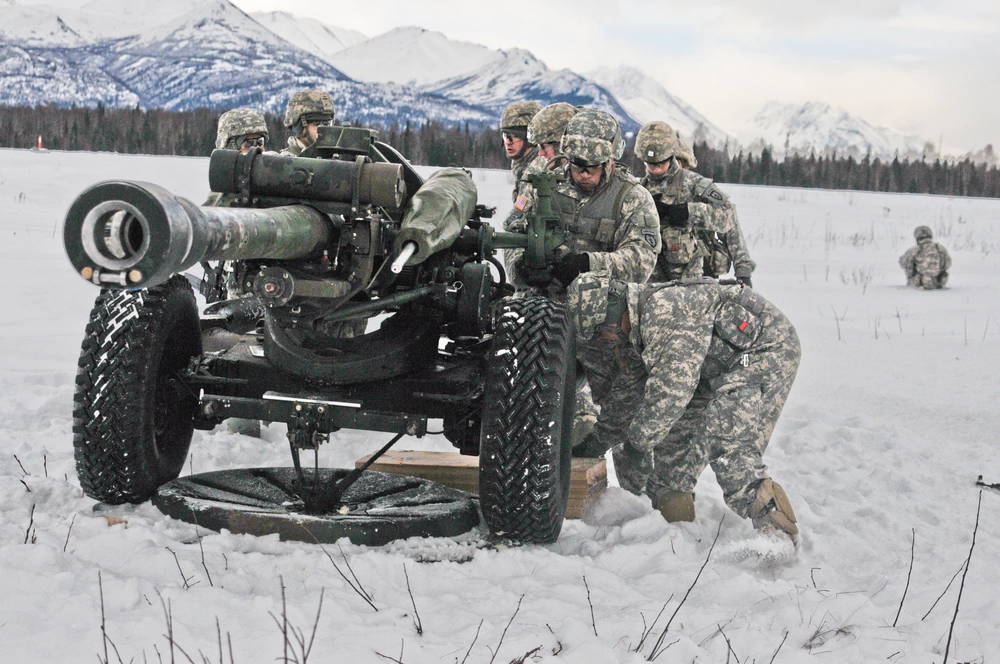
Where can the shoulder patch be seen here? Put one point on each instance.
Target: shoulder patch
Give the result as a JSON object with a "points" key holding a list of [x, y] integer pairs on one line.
{"points": [[650, 239], [521, 203]]}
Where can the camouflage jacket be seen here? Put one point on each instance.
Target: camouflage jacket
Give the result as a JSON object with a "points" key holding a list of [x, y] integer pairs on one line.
{"points": [[713, 221], [689, 336], [623, 239], [295, 146], [519, 165], [928, 259]]}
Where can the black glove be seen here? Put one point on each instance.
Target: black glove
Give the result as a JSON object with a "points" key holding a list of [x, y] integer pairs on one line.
{"points": [[591, 447], [569, 267], [673, 214], [745, 281]]}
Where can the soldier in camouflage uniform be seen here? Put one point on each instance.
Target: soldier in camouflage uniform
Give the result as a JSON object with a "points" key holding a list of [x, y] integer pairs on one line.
{"points": [[242, 129], [545, 131], [698, 223], [696, 372], [306, 112], [514, 130], [611, 220], [926, 265]]}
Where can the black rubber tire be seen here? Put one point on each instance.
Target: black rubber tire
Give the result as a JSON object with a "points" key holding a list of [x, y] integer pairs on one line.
{"points": [[132, 417], [528, 402]]}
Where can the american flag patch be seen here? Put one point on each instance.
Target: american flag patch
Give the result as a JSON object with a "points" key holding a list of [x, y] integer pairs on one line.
{"points": [[521, 203]]}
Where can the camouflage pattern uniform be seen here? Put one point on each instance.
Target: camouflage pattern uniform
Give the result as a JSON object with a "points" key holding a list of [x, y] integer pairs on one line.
{"points": [[305, 107], [697, 373], [514, 120], [926, 265], [232, 129], [692, 237], [615, 225]]}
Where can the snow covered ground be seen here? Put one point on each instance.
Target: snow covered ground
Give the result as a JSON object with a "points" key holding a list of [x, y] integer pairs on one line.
{"points": [[892, 418]]}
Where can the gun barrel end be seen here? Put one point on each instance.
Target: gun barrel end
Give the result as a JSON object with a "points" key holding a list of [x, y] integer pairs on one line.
{"points": [[117, 234]]}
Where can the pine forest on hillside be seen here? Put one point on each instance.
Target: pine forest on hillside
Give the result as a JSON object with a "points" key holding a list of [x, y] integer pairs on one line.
{"points": [[192, 133]]}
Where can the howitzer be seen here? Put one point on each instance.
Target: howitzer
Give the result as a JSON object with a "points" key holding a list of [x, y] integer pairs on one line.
{"points": [[322, 244]]}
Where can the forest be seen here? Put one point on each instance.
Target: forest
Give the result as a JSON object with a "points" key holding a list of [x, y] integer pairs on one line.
{"points": [[192, 133]]}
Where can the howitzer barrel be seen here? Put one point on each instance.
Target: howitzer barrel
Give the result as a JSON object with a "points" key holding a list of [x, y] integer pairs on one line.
{"points": [[269, 174], [436, 215], [126, 234]]}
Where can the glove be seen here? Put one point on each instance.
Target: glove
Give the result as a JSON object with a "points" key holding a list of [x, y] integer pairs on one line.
{"points": [[674, 214], [569, 267], [745, 281], [591, 447]]}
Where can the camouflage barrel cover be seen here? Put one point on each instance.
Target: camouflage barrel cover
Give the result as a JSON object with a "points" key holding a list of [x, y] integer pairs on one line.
{"points": [[656, 142], [236, 123], [549, 124], [518, 114], [308, 102], [593, 137]]}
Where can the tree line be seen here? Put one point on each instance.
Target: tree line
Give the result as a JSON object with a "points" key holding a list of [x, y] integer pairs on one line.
{"points": [[192, 133]]}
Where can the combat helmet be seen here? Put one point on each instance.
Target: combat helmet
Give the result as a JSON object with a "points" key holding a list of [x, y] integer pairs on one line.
{"points": [[656, 142], [922, 232], [517, 115], [311, 105], [237, 123], [549, 124], [686, 153], [592, 137]]}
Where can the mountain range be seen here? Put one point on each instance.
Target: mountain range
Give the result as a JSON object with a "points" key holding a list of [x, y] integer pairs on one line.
{"points": [[190, 53]]}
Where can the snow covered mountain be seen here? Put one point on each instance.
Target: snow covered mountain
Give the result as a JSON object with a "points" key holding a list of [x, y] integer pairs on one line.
{"points": [[646, 100], [412, 55], [309, 34], [518, 74], [213, 55], [825, 129]]}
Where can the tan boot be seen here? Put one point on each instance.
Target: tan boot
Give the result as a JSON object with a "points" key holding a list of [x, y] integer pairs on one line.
{"points": [[771, 509], [676, 506]]}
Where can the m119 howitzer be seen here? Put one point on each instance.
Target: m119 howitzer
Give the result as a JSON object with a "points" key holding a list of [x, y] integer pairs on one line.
{"points": [[349, 233]]}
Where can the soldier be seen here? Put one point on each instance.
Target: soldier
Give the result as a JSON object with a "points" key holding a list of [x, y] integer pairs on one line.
{"points": [[697, 221], [514, 130], [240, 129], [698, 372], [545, 131], [611, 220], [306, 112], [926, 265]]}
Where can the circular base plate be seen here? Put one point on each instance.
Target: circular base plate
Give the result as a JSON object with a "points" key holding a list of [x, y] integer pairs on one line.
{"points": [[377, 508]]}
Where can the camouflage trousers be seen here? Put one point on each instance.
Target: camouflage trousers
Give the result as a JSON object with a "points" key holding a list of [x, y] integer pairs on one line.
{"points": [[927, 281], [729, 421]]}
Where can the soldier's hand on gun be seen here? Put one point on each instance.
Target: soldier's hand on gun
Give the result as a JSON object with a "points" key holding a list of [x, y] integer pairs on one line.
{"points": [[569, 267]]}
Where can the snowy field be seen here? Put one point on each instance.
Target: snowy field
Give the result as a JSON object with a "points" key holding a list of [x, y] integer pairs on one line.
{"points": [[892, 417]]}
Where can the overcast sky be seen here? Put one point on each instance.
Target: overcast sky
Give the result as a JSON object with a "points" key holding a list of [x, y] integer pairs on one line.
{"points": [[918, 66]]}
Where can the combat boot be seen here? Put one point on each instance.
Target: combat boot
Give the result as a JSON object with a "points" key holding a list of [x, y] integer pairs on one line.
{"points": [[771, 510], [676, 506]]}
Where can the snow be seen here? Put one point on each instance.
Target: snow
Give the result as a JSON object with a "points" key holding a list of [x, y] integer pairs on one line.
{"points": [[646, 100], [892, 417], [828, 129], [309, 34], [411, 55]]}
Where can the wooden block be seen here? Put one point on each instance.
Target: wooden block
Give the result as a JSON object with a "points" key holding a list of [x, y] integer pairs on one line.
{"points": [[587, 480]]}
